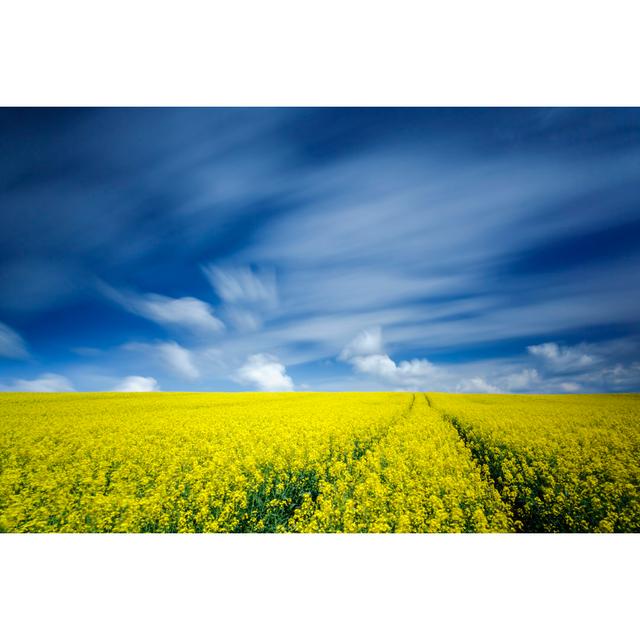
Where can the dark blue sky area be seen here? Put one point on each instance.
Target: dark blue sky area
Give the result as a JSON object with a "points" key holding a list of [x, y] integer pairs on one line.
{"points": [[228, 249]]}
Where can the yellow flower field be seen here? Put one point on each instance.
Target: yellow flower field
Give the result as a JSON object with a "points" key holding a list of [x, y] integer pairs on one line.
{"points": [[561, 463], [318, 462]]}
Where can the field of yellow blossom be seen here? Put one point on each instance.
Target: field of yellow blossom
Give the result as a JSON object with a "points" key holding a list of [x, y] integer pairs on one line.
{"points": [[318, 462], [560, 463]]}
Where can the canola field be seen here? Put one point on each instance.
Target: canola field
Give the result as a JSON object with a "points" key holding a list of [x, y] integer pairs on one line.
{"points": [[318, 462], [561, 463]]}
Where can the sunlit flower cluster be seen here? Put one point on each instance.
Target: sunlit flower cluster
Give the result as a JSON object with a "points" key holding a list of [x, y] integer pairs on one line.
{"points": [[419, 477], [560, 463], [175, 462]]}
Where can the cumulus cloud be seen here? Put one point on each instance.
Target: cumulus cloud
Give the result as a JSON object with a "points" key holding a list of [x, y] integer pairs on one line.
{"points": [[366, 355], [561, 358], [522, 380], [414, 374], [613, 377], [565, 369], [265, 372], [376, 364], [48, 382], [137, 383], [11, 344], [607, 366], [368, 342], [187, 313]]}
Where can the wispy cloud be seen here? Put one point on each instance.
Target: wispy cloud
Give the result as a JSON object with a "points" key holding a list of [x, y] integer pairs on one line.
{"points": [[187, 312], [242, 284], [48, 382], [172, 356], [179, 359], [182, 313], [248, 294], [11, 344]]}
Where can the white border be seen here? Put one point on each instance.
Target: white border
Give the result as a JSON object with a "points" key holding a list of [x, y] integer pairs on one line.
{"points": [[319, 586], [334, 52]]}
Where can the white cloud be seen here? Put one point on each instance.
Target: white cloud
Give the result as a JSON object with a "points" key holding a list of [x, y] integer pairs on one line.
{"points": [[367, 342], [11, 344], [172, 356], [583, 367], [48, 382], [242, 284], [265, 372], [560, 358], [414, 374], [186, 313], [376, 364], [522, 380], [248, 294], [242, 319], [477, 385], [615, 377], [365, 354], [137, 383], [178, 359], [623, 374]]}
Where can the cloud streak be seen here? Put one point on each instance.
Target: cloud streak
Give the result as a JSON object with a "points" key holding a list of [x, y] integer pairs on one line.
{"points": [[242, 284], [11, 344], [175, 358], [248, 295], [186, 313], [46, 383]]}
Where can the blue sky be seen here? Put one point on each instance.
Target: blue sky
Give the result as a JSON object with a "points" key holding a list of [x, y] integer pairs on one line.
{"points": [[470, 250]]}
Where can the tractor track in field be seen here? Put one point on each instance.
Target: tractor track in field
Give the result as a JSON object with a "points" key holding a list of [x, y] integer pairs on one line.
{"points": [[307, 481], [485, 470]]}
